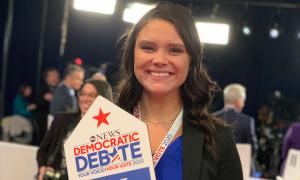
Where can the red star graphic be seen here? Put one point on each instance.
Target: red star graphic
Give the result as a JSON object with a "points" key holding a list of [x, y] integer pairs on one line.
{"points": [[101, 118]]}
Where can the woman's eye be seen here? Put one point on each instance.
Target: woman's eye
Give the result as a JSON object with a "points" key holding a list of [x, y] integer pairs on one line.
{"points": [[147, 48], [175, 50]]}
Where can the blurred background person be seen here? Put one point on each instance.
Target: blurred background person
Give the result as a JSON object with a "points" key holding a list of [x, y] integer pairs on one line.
{"points": [[291, 141], [43, 100], [243, 125], [266, 139], [64, 99], [22, 104], [270, 136], [50, 155], [234, 96], [18, 127]]}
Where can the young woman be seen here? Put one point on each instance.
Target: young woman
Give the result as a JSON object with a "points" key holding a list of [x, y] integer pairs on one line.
{"points": [[164, 84]]}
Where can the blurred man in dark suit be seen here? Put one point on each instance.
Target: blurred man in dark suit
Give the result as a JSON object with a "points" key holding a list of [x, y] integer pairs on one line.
{"points": [[64, 99], [243, 125]]}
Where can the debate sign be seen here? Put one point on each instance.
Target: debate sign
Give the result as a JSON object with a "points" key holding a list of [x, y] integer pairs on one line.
{"points": [[292, 165], [109, 143]]}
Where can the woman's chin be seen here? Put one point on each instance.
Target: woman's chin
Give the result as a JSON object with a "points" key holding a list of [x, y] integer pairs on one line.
{"points": [[161, 91]]}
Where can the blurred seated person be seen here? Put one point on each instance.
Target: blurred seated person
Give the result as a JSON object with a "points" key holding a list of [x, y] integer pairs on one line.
{"points": [[50, 155], [22, 104], [44, 98], [18, 127], [64, 98]]}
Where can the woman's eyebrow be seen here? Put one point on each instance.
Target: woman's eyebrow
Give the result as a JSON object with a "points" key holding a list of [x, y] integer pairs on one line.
{"points": [[170, 44], [145, 42], [180, 45]]}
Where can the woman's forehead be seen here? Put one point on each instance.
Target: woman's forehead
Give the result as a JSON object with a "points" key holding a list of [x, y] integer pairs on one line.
{"points": [[159, 27]]}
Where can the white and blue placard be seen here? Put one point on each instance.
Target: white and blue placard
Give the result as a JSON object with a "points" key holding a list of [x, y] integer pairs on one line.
{"points": [[292, 165], [109, 143]]}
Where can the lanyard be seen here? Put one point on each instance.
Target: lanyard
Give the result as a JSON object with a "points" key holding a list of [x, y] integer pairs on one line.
{"points": [[168, 137]]}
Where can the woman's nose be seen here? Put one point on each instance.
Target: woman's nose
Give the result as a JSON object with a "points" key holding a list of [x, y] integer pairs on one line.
{"points": [[160, 58]]}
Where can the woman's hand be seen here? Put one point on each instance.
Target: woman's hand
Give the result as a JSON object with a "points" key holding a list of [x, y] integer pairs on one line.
{"points": [[31, 107], [42, 171]]}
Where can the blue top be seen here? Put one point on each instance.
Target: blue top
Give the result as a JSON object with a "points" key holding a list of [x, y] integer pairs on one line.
{"points": [[170, 164], [20, 107]]}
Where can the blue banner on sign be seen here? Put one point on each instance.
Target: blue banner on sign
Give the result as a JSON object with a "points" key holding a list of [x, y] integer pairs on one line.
{"points": [[139, 174]]}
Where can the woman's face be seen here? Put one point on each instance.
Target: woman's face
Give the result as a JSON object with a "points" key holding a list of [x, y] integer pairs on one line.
{"points": [[161, 61], [87, 96], [27, 91]]}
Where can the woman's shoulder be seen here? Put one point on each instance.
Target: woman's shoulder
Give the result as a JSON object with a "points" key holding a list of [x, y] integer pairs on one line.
{"points": [[220, 132]]}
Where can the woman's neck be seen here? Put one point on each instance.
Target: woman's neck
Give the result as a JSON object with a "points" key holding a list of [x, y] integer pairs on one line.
{"points": [[158, 109]]}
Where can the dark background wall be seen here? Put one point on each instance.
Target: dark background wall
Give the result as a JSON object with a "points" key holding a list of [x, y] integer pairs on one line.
{"points": [[262, 64]]}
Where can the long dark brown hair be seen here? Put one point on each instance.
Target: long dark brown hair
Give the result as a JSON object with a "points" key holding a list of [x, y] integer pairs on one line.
{"points": [[197, 91]]}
